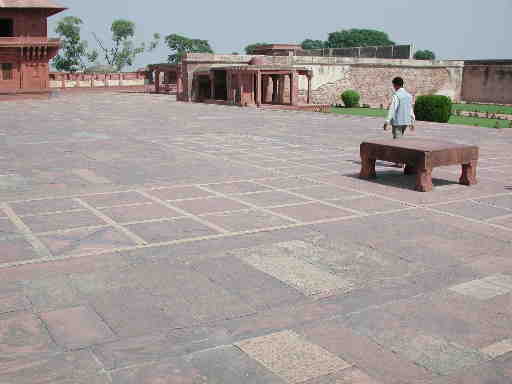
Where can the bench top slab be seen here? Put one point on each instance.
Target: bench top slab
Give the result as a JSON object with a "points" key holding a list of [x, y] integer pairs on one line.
{"points": [[423, 153], [420, 145]]}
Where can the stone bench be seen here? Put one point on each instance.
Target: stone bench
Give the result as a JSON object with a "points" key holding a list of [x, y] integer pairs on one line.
{"points": [[420, 157]]}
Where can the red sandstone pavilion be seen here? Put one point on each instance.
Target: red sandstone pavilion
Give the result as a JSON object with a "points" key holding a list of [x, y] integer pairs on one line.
{"points": [[25, 49]]}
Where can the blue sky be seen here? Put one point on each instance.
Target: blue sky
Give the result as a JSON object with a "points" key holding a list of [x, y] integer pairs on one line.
{"points": [[454, 29]]}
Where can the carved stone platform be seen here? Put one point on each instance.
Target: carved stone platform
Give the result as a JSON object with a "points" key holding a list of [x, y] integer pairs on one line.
{"points": [[420, 156]]}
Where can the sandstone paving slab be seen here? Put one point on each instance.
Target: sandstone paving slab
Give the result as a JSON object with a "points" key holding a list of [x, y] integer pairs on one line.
{"points": [[44, 206], [237, 187], [230, 365], [505, 221], [256, 288], [85, 241], [180, 193], [373, 358], [290, 182], [160, 303], [271, 198], [177, 371], [210, 205], [17, 249], [172, 230], [248, 221], [131, 313], [433, 352], [311, 212], [116, 198], [488, 372], [77, 327], [7, 228], [473, 210], [22, 334], [281, 262], [291, 357], [77, 367], [347, 376], [443, 315], [159, 347], [327, 192], [56, 222], [499, 348], [50, 293], [301, 170], [13, 303], [140, 213], [357, 263], [480, 289], [371, 204]]}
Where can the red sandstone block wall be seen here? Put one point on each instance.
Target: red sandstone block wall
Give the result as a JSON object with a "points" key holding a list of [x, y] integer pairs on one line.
{"points": [[487, 84], [374, 83]]}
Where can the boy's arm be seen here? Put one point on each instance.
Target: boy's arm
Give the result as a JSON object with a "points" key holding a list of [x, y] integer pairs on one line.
{"points": [[413, 119], [392, 111]]}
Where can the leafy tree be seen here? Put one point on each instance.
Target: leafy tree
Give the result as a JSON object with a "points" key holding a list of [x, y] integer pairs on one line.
{"points": [[180, 45], [358, 38], [314, 44], [124, 51], [251, 47], [73, 55], [425, 55]]}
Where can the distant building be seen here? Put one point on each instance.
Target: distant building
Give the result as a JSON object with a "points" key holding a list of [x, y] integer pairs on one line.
{"points": [[25, 49]]}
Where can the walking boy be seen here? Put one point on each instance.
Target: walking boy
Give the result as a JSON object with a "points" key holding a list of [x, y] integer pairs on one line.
{"points": [[401, 113]]}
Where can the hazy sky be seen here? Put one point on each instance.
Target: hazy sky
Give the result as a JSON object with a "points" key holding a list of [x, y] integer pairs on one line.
{"points": [[454, 29]]}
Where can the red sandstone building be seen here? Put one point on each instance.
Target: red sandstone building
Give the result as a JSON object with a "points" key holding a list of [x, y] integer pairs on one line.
{"points": [[25, 49]]}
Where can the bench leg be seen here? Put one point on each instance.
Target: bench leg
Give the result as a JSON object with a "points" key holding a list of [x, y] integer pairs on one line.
{"points": [[424, 180], [367, 168], [410, 169], [468, 176]]}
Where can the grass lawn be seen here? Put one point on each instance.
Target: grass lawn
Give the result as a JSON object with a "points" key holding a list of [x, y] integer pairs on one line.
{"points": [[461, 120], [483, 108]]}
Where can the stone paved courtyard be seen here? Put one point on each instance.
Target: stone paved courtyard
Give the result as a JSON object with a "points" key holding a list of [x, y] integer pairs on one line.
{"points": [[148, 241]]}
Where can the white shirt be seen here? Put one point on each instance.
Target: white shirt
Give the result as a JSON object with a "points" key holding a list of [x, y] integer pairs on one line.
{"points": [[393, 108]]}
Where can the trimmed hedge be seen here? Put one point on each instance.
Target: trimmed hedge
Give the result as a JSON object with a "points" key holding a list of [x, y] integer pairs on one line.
{"points": [[350, 98], [435, 108]]}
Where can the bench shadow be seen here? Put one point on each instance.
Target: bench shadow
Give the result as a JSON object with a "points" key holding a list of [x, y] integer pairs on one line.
{"points": [[395, 178]]}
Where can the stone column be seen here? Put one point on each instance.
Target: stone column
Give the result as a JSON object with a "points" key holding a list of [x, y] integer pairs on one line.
{"points": [[265, 88], [157, 81], [258, 88], [281, 89], [275, 89], [241, 88], [293, 89], [228, 87], [309, 88], [212, 86]]}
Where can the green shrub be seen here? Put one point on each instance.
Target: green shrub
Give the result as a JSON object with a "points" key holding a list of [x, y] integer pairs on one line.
{"points": [[350, 98], [433, 108]]}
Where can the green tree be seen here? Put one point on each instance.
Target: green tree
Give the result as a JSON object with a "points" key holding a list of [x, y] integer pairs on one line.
{"points": [[425, 55], [123, 51], [358, 38], [180, 45], [249, 50], [74, 55], [314, 44]]}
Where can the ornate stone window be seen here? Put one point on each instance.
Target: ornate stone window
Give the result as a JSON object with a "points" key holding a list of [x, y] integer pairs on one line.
{"points": [[6, 71]]}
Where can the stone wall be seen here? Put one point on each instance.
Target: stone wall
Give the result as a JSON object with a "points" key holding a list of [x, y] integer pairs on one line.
{"points": [[369, 76], [66, 80], [488, 82]]}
